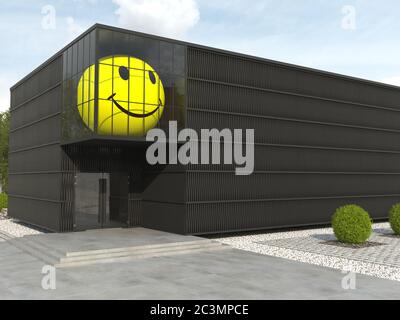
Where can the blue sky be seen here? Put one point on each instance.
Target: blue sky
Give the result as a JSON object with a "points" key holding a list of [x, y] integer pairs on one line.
{"points": [[353, 37]]}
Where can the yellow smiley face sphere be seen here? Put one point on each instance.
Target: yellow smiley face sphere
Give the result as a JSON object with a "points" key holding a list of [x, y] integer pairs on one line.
{"points": [[131, 97]]}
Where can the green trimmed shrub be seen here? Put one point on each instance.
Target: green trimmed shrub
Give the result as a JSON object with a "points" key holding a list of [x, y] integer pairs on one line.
{"points": [[3, 201], [352, 224], [394, 218]]}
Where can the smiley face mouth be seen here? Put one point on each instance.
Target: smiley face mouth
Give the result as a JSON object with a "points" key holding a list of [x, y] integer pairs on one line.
{"points": [[132, 114]]}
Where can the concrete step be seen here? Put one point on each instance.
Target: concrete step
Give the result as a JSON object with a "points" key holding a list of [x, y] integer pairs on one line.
{"points": [[5, 236], [27, 246], [143, 255], [35, 250], [33, 247], [17, 260], [42, 245], [140, 247], [138, 251]]}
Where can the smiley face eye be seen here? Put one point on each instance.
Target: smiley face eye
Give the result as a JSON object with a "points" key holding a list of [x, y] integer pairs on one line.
{"points": [[152, 77], [124, 73]]}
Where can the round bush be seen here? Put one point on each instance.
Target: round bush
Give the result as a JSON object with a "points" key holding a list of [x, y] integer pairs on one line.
{"points": [[394, 218], [352, 224]]}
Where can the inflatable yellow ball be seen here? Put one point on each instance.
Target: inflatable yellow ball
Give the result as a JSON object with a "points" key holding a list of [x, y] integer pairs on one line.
{"points": [[131, 97]]}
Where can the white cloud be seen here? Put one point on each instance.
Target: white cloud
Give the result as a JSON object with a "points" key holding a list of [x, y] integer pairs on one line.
{"points": [[170, 18], [392, 80], [89, 1]]}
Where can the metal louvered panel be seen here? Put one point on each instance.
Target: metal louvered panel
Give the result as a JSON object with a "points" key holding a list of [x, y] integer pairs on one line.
{"points": [[233, 216], [35, 155], [221, 97], [321, 141], [236, 70]]}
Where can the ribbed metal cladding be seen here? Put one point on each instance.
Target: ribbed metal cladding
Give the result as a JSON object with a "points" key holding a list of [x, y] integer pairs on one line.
{"points": [[68, 193], [35, 177], [135, 217], [135, 212], [256, 73], [321, 141], [214, 217]]}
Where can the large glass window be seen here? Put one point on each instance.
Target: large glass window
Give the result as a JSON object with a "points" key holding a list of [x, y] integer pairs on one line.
{"points": [[79, 90], [122, 85]]}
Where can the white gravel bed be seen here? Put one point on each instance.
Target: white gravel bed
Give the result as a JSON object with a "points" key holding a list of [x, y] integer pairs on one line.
{"points": [[258, 243], [15, 229]]}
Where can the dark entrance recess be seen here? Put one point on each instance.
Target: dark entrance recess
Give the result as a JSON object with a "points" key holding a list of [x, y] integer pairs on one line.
{"points": [[99, 201], [107, 188], [119, 192]]}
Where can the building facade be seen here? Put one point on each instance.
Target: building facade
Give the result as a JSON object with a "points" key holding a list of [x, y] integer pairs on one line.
{"points": [[78, 124]]}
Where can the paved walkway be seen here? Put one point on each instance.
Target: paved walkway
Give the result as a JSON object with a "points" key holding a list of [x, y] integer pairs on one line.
{"points": [[381, 249], [225, 274], [379, 257]]}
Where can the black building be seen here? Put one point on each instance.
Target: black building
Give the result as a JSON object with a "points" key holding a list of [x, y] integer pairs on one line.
{"points": [[77, 162]]}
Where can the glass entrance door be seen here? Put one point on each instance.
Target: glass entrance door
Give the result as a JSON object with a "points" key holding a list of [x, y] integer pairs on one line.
{"points": [[92, 202]]}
